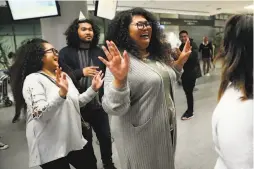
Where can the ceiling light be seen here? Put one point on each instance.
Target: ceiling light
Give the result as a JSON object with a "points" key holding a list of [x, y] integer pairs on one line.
{"points": [[165, 11], [249, 7]]}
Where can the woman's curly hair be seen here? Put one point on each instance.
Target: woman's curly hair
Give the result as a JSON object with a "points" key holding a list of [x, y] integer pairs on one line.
{"points": [[72, 36], [28, 60], [118, 32]]}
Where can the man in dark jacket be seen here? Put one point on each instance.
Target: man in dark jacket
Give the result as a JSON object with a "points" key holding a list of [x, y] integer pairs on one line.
{"points": [[81, 59], [206, 49], [191, 73]]}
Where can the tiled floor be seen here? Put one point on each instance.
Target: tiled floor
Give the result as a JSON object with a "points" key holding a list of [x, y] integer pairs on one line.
{"points": [[194, 147]]}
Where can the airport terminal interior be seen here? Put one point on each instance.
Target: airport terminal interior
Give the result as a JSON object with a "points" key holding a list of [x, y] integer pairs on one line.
{"points": [[195, 148]]}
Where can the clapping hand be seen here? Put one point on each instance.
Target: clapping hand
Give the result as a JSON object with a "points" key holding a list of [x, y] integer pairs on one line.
{"points": [[97, 81], [61, 82]]}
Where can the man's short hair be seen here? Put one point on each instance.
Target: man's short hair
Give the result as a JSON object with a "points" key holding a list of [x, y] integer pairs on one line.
{"points": [[183, 31]]}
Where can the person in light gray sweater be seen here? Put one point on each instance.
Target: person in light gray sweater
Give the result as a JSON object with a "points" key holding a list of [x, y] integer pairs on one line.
{"points": [[139, 91], [52, 102]]}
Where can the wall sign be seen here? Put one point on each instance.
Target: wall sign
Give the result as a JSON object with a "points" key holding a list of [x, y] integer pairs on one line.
{"points": [[186, 22]]}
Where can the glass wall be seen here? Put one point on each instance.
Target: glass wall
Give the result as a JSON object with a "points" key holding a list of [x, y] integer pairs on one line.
{"points": [[12, 34]]}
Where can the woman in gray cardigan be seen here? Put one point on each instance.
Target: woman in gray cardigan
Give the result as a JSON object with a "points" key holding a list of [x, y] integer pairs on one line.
{"points": [[139, 91]]}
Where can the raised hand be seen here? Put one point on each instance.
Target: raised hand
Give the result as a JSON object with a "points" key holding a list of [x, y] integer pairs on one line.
{"points": [[184, 56], [177, 52], [117, 64], [90, 71], [61, 82], [97, 81]]}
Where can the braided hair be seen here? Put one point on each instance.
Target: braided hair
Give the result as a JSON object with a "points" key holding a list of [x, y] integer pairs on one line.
{"points": [[28, 60]]}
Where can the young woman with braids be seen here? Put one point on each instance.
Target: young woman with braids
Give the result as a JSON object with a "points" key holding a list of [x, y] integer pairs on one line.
{"points": [[52, 103], [138, 91], [232, 121]]}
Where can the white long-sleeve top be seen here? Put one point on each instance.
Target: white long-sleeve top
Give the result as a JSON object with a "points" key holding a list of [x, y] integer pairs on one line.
{"points": [[232, 126], [53, 124]]}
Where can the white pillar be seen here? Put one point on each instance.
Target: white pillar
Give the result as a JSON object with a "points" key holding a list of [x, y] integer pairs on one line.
{"points": [[53, 28], [172, 31]]}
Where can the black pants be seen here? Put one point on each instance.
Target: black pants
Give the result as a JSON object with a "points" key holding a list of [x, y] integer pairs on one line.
{"points": [[91, 162], [79, 159], [206, 65], [99, 121], [188, 82]]}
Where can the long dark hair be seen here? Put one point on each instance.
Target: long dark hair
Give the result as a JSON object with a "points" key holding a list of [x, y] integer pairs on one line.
{"points": [[28, 60], [237, 56], [72, 36], [118, 32]]}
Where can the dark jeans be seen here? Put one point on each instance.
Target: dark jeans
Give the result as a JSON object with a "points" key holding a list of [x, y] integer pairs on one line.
{"points": [[99, 121], [188, 82], [79, 159], [206, 65]]}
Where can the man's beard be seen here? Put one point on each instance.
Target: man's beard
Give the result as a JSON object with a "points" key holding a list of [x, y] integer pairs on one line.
{"points": [[85, 44], [86, 41]]}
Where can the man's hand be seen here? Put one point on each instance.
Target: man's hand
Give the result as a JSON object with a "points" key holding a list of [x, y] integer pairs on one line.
{"points": [[90, 71]]}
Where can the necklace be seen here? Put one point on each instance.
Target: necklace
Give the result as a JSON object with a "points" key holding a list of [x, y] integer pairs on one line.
{"points": [[49, 74], [144, 57]]}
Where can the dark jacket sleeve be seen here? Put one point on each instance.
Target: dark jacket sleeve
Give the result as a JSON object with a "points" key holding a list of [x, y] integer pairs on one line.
{"points": [[78, 73], [68, 67], [200, 48], [191, 64], [103, 66], [194, 53]]}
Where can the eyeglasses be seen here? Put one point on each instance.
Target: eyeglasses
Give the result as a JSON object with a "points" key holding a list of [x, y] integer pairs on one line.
{"points": [[142, 25], [52, 50]]}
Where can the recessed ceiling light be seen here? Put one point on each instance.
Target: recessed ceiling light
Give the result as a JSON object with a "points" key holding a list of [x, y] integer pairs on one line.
{"points": [[218, 9], [249, 7]]}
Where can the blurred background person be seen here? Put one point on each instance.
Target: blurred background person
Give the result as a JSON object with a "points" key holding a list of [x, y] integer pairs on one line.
{"points": [[206, 50], [190, 74]]}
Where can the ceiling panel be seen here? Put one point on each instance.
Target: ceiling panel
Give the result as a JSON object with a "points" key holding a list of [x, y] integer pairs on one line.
{"points": [[186, 7], [180, 6]]}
